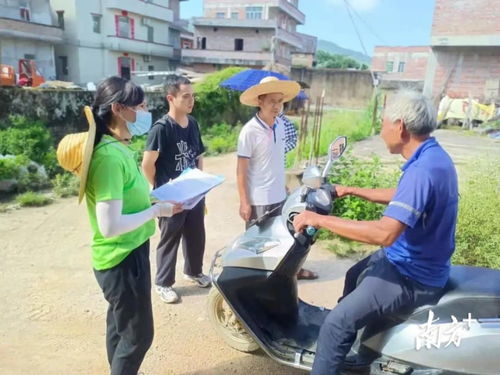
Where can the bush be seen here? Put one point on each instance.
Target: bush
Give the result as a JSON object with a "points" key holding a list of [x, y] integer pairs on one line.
{"points": [[9, 168], [31, 139], [215, 105], [31, 199], [66, 185], [221, 138], [351, 171], [478, 236]]}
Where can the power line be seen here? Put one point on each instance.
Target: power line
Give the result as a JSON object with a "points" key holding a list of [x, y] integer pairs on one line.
{"points": [[366, 24], [359, 37]]}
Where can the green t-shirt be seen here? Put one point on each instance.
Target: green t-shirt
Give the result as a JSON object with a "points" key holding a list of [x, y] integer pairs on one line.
{"points": [[115, 175]]}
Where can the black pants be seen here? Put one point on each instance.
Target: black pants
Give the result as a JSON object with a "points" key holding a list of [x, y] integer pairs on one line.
{"points": [[190, 226], [380, 290], [127, 288]]}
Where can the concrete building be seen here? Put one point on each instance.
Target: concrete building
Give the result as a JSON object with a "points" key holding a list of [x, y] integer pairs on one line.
{"points": [[252, 33], [401, 63], [117, 37], [465, 56], [305, 57], [28, 31]]}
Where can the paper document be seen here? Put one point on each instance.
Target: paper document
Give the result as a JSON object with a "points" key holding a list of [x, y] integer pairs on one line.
{"points": [[189, 188]]}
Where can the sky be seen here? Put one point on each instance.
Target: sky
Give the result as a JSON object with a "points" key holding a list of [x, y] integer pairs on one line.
{"points": [[380, 22]]}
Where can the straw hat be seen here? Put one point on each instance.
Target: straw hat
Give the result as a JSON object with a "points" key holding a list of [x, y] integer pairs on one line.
{"points": [[74, 152], [270, 85]]}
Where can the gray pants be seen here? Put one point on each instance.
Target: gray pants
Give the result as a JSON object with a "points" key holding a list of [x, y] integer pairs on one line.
{"points": [[259, 211], [190, 226], [129, 331]]}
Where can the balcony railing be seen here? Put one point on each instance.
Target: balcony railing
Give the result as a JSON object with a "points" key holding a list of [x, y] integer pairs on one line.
{"points": [[225, 57], [29, 30], [290, 9], [150, 10], [143, 47], [289, 37], [229, 22]]}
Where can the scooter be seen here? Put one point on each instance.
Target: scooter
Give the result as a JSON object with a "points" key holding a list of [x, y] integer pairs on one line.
{"points": [[254, 303]]}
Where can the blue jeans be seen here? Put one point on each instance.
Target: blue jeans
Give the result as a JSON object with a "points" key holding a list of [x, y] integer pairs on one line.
{"points": [[380, 290]]}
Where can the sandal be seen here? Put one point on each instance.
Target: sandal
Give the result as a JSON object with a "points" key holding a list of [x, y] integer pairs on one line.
{"points": [[304, 274]]}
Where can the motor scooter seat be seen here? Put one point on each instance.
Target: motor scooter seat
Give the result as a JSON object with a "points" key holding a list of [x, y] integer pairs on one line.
{"points": [[470, 290]]}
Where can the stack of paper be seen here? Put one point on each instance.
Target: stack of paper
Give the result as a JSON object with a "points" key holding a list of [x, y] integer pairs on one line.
{"points": [[189, 188]]}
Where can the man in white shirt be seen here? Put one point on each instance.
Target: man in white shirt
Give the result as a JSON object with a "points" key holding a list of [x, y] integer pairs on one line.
{"points": [[261, 151]]}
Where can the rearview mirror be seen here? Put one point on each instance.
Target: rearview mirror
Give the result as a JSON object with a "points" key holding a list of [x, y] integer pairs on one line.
{"points": [[337, 148], [335, 151]]}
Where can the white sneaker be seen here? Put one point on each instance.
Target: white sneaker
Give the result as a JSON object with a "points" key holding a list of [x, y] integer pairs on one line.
{"points": [[167, 294], [201, 280]]}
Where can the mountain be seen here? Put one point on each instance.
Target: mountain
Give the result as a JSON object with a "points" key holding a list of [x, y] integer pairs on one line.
{"points": [[336, 49]]}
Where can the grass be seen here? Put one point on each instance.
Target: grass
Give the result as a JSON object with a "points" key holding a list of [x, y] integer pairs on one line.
{"points": [[355, 125], [31, 199]]}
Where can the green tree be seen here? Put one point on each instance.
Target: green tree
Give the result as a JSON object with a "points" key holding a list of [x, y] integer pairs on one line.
{"points": [[335, 61]]}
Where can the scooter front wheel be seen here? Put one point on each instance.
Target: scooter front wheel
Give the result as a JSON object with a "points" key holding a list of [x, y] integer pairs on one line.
{"points": [[227, 325]]}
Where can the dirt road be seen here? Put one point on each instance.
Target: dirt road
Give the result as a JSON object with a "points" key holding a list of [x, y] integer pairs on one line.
{"points": [[53, 313]]}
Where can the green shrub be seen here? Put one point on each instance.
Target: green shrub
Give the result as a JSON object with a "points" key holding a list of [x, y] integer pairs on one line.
{"points": [[215, 105], [32, 139], [221, 138], [478, 226], [31, 199], [25, 137], [9, 168], [66, 185], [351, 171]]}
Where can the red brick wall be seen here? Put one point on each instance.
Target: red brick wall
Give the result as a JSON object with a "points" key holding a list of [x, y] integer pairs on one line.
{"points": [[415, 59], [469, 72], [466, 17]]}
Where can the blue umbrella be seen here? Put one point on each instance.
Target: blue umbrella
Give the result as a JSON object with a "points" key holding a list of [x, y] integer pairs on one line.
{"points": [[251, 77]]}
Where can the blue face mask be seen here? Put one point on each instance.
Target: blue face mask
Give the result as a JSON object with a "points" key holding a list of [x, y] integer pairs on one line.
{"points": [[142, 124]]}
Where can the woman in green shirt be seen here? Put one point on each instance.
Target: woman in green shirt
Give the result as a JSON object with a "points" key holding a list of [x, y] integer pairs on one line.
{"points": [[121, 215]]}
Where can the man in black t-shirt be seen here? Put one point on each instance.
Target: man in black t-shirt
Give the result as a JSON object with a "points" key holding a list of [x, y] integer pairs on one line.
{"points": [[174, 144]]}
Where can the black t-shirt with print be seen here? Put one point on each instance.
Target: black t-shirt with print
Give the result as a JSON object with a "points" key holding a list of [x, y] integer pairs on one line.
{"points": [[179, 147]]}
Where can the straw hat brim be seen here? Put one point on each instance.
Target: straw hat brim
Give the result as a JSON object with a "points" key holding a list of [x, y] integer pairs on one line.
{"points": [[87, 152], [289, 89]]}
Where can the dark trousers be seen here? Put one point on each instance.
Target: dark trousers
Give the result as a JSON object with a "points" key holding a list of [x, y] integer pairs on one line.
{"points": [[380, 290], [190, 226], [127, 288]]}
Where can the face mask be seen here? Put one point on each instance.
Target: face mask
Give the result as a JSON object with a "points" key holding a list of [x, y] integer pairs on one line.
{"points": [[142, 123]]}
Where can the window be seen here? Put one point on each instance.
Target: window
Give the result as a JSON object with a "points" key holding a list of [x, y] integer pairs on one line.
{"points": [[204, 43], [151, 68], [124, 26], [238, 44], [146, 58], [25, 13], [63, 60], [254, 13], [401, 67], [150, 33], [60, 18], [96, 23], [220, 15], [235, 15], [29, 56], [389, 66]]}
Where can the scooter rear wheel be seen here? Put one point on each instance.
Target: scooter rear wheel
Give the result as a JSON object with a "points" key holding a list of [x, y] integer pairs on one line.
{"points": [[227, 325]]}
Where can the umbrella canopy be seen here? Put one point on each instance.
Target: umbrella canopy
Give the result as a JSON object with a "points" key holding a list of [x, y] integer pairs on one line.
{"points": [[251, 77]]}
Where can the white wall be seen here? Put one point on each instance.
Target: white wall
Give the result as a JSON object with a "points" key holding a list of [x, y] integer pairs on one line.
{"points": [[14, 49]]}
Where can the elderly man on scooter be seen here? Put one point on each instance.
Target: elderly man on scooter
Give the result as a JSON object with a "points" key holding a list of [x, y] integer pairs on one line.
{"points": [[416, 232]]}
